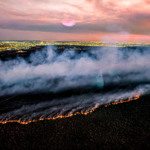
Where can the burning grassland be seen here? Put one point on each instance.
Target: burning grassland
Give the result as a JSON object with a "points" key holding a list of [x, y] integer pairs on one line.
{"points": [[74, 82]]}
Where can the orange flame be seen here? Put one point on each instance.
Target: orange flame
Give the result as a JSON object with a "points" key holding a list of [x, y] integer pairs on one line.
{"points": [[69, 115], [124, 101]]}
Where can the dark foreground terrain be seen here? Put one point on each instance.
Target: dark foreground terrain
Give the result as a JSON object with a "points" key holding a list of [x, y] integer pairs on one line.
{"points": [[122, 126]]}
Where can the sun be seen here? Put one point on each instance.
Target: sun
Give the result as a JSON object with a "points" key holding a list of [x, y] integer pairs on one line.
{"points": [[69, 23]]}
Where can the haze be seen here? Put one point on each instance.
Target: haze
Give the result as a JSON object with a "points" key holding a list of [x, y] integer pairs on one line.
{"points": [[102, 20]]}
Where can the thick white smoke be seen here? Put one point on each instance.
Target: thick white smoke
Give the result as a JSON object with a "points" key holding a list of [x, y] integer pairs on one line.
{"points": [[51, 71]]}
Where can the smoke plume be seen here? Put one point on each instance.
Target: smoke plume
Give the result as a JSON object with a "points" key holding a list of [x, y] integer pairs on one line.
{"points": [[100, 76]]}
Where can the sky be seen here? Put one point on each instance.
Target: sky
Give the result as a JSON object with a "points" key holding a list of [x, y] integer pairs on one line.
{"points": [[75, 20]]}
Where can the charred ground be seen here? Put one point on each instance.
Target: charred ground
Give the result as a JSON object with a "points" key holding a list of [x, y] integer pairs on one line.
{"points": [[122, 126]]}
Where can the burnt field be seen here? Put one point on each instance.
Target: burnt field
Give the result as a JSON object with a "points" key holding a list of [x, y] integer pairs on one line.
{"points": [[54, 82], [122, 126]]}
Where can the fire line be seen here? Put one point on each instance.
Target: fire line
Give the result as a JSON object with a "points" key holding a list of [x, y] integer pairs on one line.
{"points": [[69, 115]]}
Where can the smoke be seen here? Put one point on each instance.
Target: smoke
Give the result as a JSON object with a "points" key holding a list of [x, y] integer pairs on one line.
{"points": [[65, 106], [98, 76]]}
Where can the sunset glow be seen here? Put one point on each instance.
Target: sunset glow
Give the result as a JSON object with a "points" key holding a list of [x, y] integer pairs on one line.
{"points": [[101, 20], [69, 23]]}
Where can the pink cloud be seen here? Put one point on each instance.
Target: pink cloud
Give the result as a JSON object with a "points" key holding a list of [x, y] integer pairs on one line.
{"points": [[91, 16]]}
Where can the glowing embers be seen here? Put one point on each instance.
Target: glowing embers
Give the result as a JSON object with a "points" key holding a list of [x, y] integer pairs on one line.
{"points": [[71, 114], [52, 118], [124, 101]]}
